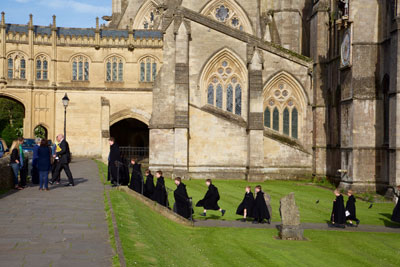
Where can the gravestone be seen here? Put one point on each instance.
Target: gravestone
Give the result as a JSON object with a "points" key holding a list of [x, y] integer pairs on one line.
{"points": [[291, 227], [267, 198]]}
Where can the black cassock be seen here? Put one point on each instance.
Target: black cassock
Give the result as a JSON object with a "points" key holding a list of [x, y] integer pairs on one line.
{"points": [[247, 203], [160, 193], [112, 158], [210, 200], [182, 202], [351, 208], [338, 212], [149, 186], [137, 179], [124, 172], [260, 209], [396, 211]]}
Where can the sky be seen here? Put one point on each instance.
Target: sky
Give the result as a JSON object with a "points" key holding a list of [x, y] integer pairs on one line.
{"points": [[70, 13]]}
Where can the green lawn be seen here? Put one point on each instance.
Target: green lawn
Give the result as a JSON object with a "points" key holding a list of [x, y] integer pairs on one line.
{"points": [[149, 239]]}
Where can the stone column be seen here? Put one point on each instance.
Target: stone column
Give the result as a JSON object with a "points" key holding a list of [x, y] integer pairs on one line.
{"points": [[255, 119], [182, 35], [105, 128], [28, 131], [3, 63]]}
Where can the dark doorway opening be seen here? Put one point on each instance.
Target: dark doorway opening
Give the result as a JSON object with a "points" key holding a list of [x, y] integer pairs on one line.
{"points": [[41, 132], [133, 138]]}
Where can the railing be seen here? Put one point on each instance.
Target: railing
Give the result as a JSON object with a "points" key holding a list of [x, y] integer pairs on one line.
{"points": [[129, 152]]}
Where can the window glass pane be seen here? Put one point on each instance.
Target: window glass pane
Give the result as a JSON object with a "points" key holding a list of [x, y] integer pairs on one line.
{"points": [[229, 98], [286, 121], [10, 74], [22, 74], [148, 71], [154, 71], [38, 75], [74, 71], [45, 75], [114, 71], [108, 76], [238, 100], [295, 123], [86, 71], [219, 96], [38, 64], [120, 71], [275, 120], [23, 64], [210, 95], [80, 71], [10, 68], [10, 63], [267, 118], [142, 71], [45, 64]]}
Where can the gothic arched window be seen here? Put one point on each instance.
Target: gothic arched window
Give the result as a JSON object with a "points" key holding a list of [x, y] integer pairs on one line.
{"points": [[147, 16], [284, 97], [16, 66], [148, 69], [42, 68], [114, 69], [224, 87], [80, 68]]}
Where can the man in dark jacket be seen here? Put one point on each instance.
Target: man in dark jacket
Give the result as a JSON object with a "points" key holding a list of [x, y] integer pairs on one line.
{"points": [[65, 157], [338, 216], [137, 183], [182, 201], [260, 208], [210, 200], [113, 157]]}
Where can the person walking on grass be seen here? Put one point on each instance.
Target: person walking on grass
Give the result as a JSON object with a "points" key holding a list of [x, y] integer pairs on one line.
{"points": [[351, 210], [182, 202], [65, 157], [338, 216], [137, 183], [15, 163], [246, 207], [160, 194], [396, 210], [149, 186], [43, 164], [210, 200], [260, 208]]}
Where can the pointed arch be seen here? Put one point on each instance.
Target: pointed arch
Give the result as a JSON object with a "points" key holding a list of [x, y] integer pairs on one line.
{"points": [[146, 15], [223, 82], [233, 14]]}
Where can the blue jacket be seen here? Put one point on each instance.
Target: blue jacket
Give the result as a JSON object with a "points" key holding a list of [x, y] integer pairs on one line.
{"points": [[43, 160]]}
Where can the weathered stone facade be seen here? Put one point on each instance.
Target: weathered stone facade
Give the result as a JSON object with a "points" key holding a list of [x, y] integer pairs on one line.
{"points": [[252, 89]]}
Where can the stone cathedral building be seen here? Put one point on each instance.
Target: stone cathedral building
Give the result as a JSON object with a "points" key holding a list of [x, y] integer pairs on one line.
{"points": [[237, 89]]}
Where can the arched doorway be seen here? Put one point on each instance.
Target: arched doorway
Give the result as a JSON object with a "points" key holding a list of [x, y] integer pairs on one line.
{"points": [[40, 132], [132, 136], [12, 114]]}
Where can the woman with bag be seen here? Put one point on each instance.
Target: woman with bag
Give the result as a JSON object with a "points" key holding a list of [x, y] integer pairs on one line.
{"points": [[15, 162]]}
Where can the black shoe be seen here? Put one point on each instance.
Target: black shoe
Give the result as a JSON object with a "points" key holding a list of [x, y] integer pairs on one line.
{"points": [[51, 182], [223, 212], [203, 214], [243, 220], [269, 221], [69, 184], [255, 222]]}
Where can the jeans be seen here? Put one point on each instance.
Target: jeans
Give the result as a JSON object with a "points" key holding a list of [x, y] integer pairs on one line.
{"points": [[43, 179], [15, 168]]}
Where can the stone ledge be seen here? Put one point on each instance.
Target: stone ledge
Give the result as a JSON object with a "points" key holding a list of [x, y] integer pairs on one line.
{"points": [[235, 119], [284, 140], [169, 214]]}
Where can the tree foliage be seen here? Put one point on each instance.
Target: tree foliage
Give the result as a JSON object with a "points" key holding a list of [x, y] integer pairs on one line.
{"points": [[12, 115]]}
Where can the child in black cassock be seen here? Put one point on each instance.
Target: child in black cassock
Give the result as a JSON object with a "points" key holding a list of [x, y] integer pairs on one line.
{"points": [[160, 192], [246, 207], [351, 209], [338, 216], [210, 200], [260, 209], [183, 205], [396, 210], [149, 186], [137, 177]]}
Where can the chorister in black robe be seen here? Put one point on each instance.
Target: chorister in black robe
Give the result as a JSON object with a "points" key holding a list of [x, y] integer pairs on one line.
{"points": [[210, 200], [149, 186], [351, 208], [160, 192], [247, 203], [113, 157], [137, 179], [182, 202], [338, 212], [260, 209], [124, 172], [396, 211]]}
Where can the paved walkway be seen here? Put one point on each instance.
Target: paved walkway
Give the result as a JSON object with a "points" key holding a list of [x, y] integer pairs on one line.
{"points": [[306, 226], [65, 226]]}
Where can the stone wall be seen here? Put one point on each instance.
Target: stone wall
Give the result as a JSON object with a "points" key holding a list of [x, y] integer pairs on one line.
{"points": [[6, 175]]}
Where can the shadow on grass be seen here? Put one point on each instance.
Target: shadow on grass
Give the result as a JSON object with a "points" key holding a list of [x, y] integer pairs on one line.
{"points": [[388, 222]]}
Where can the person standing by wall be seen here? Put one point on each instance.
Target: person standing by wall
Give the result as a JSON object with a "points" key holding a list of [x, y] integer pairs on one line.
{"points": [[34, 171], [43, 164], [23, 163], [15, 162], [113, 157]]}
